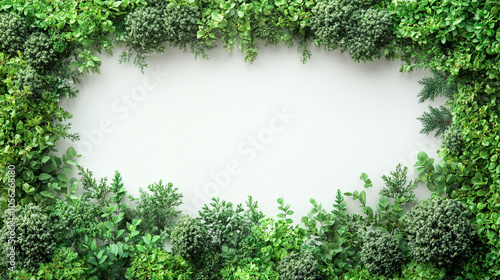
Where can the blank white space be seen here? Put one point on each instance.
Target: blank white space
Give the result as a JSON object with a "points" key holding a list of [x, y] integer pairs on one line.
{"points": [[193, 118]]}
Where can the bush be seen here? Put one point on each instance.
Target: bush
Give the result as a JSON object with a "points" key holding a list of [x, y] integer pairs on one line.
{"points": [[298, 266], [147, 28], [13, 32], [418, 271], [189, 239], [158, 264], [228, 225], [452, 139], [39, 52], [66, 264], [157, 209], [382, 253], [34, 236], [353, 26], [29, 78], [440, 232], [181, 25], [76, 219]]}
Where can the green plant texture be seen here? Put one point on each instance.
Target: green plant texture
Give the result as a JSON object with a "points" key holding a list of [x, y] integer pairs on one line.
{"points": [[440, 232], [354, 26], [298, 266], [45, 44], [382, 253], [35, 238], [157, 208]]}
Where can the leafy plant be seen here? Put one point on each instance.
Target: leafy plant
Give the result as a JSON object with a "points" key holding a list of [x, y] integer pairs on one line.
{"points": [[421, 271], [158, 264], [65, 264], [452, 139], [440, 232], [388, 215], [353, 26], [334, 237], [382, 253], [438, 119], [298, 266], [30, 127], [34, 240], [439, 85], [118, 241], [145, 33], [395, 186], [76, 219], [189, 239], [227, 225], [39, 52], [158, 209], [13, 32]]}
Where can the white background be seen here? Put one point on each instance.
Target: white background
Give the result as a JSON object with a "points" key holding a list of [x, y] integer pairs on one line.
{"points": [[185, 120]]}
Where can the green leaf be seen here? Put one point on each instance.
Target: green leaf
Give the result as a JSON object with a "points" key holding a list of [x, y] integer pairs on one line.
{"points": [[44, 176], [217, 17], [147, 238], [155, 238], [46, 194], [384, 201], [109, 225], [45, 159], [362, 197], [422, 156], [280, 201], [62, 177]]}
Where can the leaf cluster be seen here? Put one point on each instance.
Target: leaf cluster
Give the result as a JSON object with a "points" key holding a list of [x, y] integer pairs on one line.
{"points": [[157, 208], [158, 264], [13, 32], [354, 26], [148, 27], [440, 232], [334, 237], [34, 239], [382, 253]]}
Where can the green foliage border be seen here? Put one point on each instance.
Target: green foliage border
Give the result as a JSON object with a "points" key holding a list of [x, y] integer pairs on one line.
{"points": [[461, 38]]}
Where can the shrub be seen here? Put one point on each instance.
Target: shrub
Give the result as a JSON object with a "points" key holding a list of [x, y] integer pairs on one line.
{"points": [[452, 139], [147, 28], [299, 266], [440, 232], [250, 270], [29, 78], [189, 239], [157, 209], [418, 271], [181, 25], [34, 236], [382, 253], [353, 26], [66, 264], [39, 52], [145, 33], [158, 264], [228, 225], [76, 219], [13, 32]]}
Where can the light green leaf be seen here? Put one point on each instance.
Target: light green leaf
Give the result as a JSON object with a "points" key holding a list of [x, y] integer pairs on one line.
{"points": [[44, 176]]}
